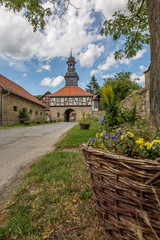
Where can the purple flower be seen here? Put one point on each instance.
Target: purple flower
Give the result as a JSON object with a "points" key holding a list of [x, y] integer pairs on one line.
{"points": [[101, 119], [113, 138], [109, 144], [105, 135], [105, 123], [120, 134], [92, 140]]}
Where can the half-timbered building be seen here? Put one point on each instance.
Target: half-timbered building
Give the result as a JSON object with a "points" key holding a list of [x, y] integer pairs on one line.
{"points": [[72, 98]]}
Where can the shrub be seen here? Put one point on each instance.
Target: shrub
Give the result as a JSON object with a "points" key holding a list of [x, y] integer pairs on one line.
{"points": [[24, 114]]}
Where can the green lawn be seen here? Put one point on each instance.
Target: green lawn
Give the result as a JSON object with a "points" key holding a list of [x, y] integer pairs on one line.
{"points": [[54, 202], [76, 136]]}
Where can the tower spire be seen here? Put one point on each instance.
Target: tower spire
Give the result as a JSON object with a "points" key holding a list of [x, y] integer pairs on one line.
{"points": [[71, 76]]}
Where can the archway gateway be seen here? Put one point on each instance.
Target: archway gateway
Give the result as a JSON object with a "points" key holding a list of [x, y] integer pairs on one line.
{"points": [[69, 115]]}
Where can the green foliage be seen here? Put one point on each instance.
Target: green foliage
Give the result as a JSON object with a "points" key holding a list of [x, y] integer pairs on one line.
{"points": [[130, 115], [113, 115], [132, 24], [122, 85], [34, 10], [24, 114], [93, 86], [38, 96], [108, 94], [84, 119]]}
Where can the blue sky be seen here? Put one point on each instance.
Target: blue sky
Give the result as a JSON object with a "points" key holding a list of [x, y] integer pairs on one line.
{"points": [[37, 61]]}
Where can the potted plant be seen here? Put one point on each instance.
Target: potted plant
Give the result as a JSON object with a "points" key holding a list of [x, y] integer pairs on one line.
{"points": [[23, 115], [124, 170], [84, 122]]}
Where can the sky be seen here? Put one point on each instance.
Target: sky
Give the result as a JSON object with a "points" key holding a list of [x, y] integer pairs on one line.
{"points": [[37, 60]]}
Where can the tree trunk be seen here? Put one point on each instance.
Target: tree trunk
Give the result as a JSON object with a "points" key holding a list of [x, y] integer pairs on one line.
{"points": [[153, 7]]}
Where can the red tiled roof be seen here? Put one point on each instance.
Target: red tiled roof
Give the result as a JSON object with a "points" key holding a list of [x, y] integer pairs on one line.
{"points": [[70, 91], [14, 88]]}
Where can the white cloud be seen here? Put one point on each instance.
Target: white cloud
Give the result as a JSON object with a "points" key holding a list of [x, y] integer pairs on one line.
{"points": [[94, 72], [46, 67], [138, 78], [142, 68], [19, 42], [109, 7], [139, 54], [24, 75], [88, 57], [110, 62], [39, 70], [52, 82], [108, 75]]}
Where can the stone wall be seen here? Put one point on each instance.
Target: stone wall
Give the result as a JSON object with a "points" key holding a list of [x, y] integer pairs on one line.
{"points": [[142, 96], [143, 103], [12, 104], [59, 112]]}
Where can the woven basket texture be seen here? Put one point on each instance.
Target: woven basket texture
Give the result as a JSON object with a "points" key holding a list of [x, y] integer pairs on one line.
{"points": [[126, 192]]}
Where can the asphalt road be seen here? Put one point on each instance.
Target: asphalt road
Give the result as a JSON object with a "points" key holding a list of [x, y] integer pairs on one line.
{"points": [[19, 147]]}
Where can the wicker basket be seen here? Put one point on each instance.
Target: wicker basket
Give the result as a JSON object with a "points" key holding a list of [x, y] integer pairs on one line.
{"points": [[126, 192]]}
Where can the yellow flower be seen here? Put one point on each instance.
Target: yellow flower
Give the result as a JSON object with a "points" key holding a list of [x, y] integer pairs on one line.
{"points": [[141, 146], [122, 136], [101, 135], [130, 134], [148, 145], [102, 145], [139, 141], [13, 203], [156, 141]]}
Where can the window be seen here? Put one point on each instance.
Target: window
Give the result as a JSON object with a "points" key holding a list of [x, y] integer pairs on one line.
{"points": [[41, 114], [15, 109], [58, 114], [58, 100], [70, 100], [96, 104], [36, 112], [30, 111], [44, 98], [80, 99]]}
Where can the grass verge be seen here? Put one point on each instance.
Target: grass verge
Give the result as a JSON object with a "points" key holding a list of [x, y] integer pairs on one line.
{"points": [[54, 201], [77, 136], [22, 125]]}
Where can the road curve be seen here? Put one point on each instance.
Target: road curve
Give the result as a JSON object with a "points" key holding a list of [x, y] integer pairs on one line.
{"points": [[21, 146]]}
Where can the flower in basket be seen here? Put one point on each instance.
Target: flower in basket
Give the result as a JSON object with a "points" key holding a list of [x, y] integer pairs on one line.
{"points": [[125, 143]]}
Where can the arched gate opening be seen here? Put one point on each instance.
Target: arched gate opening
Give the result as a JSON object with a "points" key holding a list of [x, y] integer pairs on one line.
{"points": [[70, 115]]}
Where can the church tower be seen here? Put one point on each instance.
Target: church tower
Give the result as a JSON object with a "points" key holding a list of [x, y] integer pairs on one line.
{"points": [[71, 77]]}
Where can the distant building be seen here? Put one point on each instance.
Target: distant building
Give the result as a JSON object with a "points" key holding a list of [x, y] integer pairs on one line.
{"points": [[46, 101], [14, 98], [71, 98]]}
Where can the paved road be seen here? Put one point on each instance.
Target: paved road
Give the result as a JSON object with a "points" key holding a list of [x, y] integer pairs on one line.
{"points": [[20, 146]]}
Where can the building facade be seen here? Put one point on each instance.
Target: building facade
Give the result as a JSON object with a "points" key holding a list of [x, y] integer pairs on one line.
{"points": [[14, 98], [71, 98], [46, 101]]}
